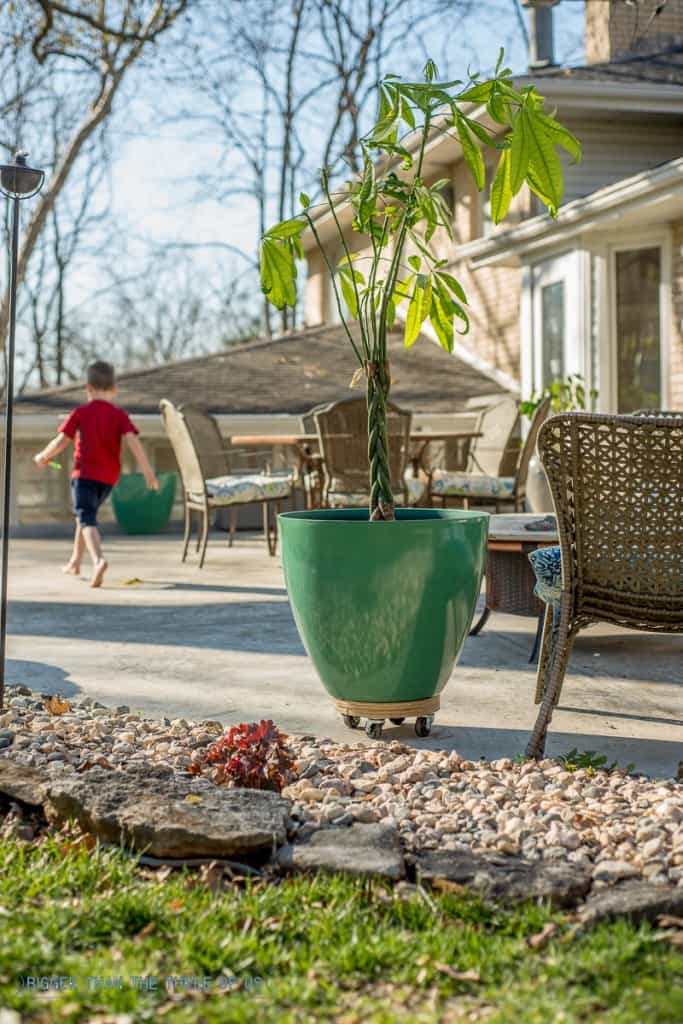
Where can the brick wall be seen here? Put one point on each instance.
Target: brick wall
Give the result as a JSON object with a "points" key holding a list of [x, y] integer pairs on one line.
{"points": [[676, 363], [613, 27]]}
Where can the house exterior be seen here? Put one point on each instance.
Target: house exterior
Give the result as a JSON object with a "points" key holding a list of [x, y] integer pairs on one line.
{"points": [[599, 291]]}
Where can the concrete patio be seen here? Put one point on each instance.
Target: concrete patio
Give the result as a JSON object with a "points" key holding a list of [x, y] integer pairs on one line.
{"points": [[171, 640]]}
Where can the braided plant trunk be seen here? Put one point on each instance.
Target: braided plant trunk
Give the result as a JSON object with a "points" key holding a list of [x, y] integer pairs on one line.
{"points": [[381, 493]]}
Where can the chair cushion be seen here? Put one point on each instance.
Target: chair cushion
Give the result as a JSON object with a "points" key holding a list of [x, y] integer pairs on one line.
{"points": [[239, 489], [471, 485], [359, 499], [547, 566]]}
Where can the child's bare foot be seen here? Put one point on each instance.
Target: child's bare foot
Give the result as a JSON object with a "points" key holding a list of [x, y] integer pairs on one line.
{"points": [[72, 569], [98, 573]]}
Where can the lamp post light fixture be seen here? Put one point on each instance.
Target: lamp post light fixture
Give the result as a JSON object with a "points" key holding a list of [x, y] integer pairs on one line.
{"points": [[17, 181]]}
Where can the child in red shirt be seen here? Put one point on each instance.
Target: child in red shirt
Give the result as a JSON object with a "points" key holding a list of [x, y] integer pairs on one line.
{"points": [[98, 427]]}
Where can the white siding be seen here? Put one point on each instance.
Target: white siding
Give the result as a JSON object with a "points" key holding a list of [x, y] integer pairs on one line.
{"points": [[617, 148]]}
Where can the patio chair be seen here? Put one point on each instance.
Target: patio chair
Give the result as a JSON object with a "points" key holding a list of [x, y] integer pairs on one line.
{"points": [[617, 487], [190, 432], [506, 488], [343, 436]]}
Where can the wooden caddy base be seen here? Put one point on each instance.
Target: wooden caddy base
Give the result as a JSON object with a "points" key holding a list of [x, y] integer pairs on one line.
{"points": [[395, 709]]}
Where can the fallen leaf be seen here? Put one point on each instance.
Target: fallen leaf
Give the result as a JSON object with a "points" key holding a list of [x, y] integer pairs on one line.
{"points": [[445, 885], [675, 938], [421, 975], [668, 921], [175, 905], [469, 975], [542, 938], [150, 927], [56, 706], [211, 875], [192, 798], [132, 582]]}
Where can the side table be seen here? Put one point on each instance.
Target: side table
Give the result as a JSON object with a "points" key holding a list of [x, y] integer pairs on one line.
{"points": [[510, 579]]}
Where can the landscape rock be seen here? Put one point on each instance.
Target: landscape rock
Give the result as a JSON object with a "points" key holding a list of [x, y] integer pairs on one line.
{"points": [[360, 849], [508, 880], [154, 811], [21, 783], [637, 900]]}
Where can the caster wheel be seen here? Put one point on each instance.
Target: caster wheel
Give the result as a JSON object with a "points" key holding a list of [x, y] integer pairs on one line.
{"points": [[397, 721], [423, 726], [374, 730], [350, 721]]}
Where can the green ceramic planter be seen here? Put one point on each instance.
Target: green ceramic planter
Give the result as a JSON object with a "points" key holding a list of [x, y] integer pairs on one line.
{"points": [[383, 609], [139, 510]]}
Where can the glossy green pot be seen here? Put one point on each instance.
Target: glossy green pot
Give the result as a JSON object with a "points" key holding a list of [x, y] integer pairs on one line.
{"points": [[383, 609]]}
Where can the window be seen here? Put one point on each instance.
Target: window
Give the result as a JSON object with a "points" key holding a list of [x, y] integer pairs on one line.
{"points": [[638, 275], [552, 331]]}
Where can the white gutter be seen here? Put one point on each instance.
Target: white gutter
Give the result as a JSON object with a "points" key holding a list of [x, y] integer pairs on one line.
{"points": [[577, 216]]}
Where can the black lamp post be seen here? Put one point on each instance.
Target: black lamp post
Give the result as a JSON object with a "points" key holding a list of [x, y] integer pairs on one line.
{"points": [[17, 181]]}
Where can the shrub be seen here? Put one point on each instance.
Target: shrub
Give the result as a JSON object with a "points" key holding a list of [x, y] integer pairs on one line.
{"points": [[253, 756]]}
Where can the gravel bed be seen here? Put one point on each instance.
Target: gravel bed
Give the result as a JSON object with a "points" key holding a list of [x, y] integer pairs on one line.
{"points": [[619, 825]]}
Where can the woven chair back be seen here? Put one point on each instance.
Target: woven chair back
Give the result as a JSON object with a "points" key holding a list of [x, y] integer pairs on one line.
{"points": [[343, 437], [183, 448], [308, 418], [497, 450], [212, 450], [617, 485]]}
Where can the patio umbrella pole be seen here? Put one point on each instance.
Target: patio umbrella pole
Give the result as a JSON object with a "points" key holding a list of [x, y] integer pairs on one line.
{"points": [[17, 181]]}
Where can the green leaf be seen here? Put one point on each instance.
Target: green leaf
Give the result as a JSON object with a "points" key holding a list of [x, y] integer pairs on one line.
{"points": [[453, 284], [560, 135], [501, 190], [278, 272], [418, 309], [472, 154], [415, 262], [304, 200], [430, 71], [519, 155], [441, 322], [452, 308], [543, 160], [479, 130], [478, 93], [349, 293], [391, 313], [367, 195], [407, 115], [287, 228]]}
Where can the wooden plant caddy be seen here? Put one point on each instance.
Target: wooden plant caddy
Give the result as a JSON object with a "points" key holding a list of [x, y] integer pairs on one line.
{"points": [[376, 714]]}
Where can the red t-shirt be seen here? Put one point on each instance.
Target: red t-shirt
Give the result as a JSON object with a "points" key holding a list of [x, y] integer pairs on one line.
{"points": [[100, 426]]}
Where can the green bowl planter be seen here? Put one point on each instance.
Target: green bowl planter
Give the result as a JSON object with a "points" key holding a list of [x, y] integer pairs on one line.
{"points": [[383, 609], [139, 510]]}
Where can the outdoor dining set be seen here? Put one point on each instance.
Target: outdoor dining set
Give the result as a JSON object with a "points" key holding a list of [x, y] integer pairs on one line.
{"points": [[613, 553]]}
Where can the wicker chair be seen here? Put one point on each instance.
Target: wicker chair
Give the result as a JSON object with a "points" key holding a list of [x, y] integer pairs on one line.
{"points": [[204, 467], [343, 436], [507, 489], [617, 487]]}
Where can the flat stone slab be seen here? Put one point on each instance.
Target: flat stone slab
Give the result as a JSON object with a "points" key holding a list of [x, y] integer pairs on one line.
{"points": [[154, 812], [508, 880], [636, 900], [359, 849], [22, 783]]}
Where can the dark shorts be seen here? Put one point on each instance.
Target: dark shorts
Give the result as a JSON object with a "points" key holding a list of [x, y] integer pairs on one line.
{"points": [[87, 496]]}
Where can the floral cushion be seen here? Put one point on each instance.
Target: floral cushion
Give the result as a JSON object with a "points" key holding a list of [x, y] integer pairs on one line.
{"points": [[471, 485], [239, 489], [359, 499], [547, 565]]}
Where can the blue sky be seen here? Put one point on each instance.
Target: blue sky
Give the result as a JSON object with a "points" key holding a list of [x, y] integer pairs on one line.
{"points": [[152, 201]]}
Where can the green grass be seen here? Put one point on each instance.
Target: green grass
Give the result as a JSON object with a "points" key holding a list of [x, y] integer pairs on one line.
{"points": [[327, 949]]}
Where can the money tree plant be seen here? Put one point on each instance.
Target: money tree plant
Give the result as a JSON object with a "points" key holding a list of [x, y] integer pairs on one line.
{"points": [[396, 213]]}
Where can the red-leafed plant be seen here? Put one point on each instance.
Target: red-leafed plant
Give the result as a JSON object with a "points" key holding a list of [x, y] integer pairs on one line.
{"points": [[253, 756]]}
